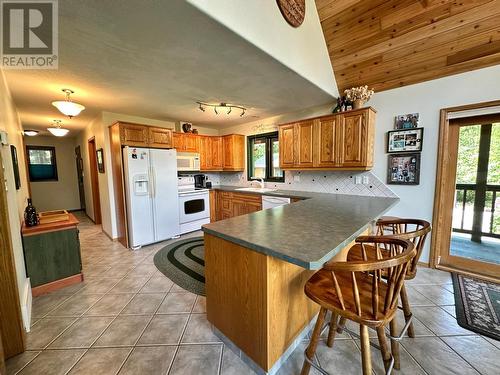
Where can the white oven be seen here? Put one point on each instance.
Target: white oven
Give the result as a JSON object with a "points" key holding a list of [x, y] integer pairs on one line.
{"points": [[194, 205], [188, 161]]}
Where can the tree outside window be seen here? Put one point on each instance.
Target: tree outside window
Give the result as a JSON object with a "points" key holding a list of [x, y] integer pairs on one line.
{"points": [[263, 158]]}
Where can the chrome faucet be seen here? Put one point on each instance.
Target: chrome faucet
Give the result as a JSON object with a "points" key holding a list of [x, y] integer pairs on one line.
{"points": [[260, 180]]}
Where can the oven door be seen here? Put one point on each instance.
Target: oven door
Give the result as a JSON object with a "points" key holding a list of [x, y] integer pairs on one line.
{"points": [[193, 206]]}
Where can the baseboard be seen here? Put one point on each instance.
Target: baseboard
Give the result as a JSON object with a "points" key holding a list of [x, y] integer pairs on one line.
{"points": [[57, 284], [109, 236], [26, 304], [424, 264]]}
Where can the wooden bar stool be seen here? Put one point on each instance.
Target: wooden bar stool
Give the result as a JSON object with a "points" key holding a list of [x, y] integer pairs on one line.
{"points": [[413, 230], [356, 291]]}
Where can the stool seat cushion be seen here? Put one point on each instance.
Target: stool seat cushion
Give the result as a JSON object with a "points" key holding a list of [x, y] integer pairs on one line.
{"points": [[321, 289]]}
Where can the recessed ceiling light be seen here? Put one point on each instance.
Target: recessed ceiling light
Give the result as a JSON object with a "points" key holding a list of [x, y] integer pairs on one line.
{"points": [[67, 107], [30, 132]]}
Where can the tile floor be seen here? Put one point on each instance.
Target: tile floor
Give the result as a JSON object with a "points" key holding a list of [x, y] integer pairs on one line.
{"points": [[128, 318]]}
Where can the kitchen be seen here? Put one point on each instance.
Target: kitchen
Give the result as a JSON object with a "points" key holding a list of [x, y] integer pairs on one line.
{"points": [[224, 198]]}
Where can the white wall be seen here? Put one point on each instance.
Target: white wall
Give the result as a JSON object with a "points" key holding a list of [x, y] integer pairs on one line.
{"points": [[427, 99], [302, 49], [16, 199], [63, 193]]}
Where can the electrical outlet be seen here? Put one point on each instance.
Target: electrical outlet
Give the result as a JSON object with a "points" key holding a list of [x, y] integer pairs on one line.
{"points": [[366, 180], [296, 178], [357, 180]]}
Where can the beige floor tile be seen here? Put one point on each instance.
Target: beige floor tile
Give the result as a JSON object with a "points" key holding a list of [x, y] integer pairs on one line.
{"points": [[450, 310], [129, 285], [419, 328], [439, 321], [408, 365], [82, 333], [234, 365], [143, 270], [76, 305], [436, 293], [117, 271], [110, 304], [16, 363], [144, 304], [157, 284], [481, 354], [149, 360], [124, 331], [294, 363], [197, 359], [101, 361], [164, 330], [436, 357], [201, 305], [99, 285], [178, 289], [198, 330], [46, 330], [416, 298], [430, 276], [42, 305], [492, 341], [53, 362], [177, 303], [344, 357]]}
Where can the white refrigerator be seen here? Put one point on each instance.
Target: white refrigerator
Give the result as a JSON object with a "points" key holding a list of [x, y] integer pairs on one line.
{"points": [[151, 195]]}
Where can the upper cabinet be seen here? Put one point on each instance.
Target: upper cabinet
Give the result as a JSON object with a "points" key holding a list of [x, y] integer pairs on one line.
{"points": [[340, 141], [133, 134], [159, 137], [186, 142], [234, 152]]}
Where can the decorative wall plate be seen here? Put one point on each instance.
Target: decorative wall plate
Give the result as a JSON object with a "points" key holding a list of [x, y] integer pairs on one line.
{"points": [[294, 11]]}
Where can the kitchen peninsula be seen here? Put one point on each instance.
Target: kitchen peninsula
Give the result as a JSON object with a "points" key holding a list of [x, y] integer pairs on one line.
{"points": [[256, 266]]}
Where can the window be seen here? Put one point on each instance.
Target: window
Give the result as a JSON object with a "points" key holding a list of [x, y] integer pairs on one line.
{"points": [[264, 157], [42, 163]]}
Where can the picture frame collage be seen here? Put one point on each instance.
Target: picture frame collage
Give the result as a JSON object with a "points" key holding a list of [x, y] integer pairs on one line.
{"points": [[404, 146]]}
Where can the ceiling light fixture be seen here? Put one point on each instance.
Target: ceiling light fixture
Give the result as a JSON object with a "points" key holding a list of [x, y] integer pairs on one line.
{"points": [[30, 132], [202, 106], [67, 107], [57, 130]]}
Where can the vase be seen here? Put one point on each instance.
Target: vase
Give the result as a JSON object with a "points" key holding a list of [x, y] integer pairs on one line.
{"points": [[358, 103], [30, 216]]}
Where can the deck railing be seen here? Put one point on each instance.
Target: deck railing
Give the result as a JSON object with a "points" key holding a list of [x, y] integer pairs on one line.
{"points": [[464, 196]]}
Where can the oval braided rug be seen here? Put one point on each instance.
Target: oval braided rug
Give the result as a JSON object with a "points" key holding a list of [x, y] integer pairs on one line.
{"points": [[183, 262]]}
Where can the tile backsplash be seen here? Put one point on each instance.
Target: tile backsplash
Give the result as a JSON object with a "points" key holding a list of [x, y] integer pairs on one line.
{"points": [[336, 182]]}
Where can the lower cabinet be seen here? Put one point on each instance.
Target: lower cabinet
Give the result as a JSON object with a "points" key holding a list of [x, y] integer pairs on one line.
{"points": [[230, 204]]}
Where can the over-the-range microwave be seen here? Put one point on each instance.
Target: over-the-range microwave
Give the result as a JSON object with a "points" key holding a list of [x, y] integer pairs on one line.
{"points": [[188, 161]]}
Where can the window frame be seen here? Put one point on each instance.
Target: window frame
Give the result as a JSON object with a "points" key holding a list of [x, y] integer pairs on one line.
{"points": [[53, 162], [269, 138]]}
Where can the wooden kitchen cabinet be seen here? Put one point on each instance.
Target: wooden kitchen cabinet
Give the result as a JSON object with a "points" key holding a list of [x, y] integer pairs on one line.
{"points": [[287, 145], [205, 153], [133, 135], [230, 204], [186, 142], [234, 152], [213, 205], [217, 153], [341, 141], [159, 137]]}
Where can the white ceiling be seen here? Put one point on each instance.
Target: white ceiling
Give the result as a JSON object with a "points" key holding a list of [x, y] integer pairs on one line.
{"points": [[155, 59]]}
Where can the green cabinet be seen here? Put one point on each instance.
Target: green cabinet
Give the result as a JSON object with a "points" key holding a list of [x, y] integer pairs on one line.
{"points": [[52, 256]]}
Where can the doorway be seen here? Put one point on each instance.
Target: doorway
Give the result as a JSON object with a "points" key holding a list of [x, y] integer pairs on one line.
{"points": [[79, 172], [94, 181], [467, 202]]}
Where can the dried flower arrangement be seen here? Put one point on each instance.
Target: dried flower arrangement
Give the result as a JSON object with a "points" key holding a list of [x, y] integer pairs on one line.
{"points": [[358, 95]]}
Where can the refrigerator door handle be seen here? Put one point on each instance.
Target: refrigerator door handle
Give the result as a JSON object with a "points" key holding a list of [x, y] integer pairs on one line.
{"points": [[153, 184]]}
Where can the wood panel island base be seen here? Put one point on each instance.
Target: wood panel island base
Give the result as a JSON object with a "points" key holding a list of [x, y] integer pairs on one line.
{"points": [[256, 301], [256, 266]]}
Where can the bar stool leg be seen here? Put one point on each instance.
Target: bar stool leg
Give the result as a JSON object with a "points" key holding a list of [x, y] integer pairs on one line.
{"points": [[311, 349], [407, 310], [384, 348], [366, 357], [332, 330], [341, 325], [393, 325]]}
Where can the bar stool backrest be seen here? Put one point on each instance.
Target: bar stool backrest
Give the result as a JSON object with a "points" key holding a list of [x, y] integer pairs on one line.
{"points": [[388, 269], [414, 230]]}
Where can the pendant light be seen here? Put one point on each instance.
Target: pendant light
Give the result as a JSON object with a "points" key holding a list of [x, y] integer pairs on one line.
{"points": [[57, 130], [67, 107]]}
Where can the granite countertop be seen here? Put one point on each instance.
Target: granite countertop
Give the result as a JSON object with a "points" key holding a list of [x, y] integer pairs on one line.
{"points": [[307, 233]]}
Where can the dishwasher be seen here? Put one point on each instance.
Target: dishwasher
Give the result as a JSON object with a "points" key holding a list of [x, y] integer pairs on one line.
{"points": [[271, 201]]}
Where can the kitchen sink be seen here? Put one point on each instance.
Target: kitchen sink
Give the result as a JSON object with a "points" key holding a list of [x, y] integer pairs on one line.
{"points": [[257, 190]]}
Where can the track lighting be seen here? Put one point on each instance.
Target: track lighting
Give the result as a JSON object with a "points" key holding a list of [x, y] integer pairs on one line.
{"points": [[202, 107]]}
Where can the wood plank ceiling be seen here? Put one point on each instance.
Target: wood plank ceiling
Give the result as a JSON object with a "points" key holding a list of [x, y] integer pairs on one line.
{"points": [[390, 43]]}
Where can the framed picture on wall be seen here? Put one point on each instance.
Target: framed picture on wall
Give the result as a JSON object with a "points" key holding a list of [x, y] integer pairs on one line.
{"points": [[407, 121], [15, 165], [405, 140], [404, 169], [100, 160]]}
